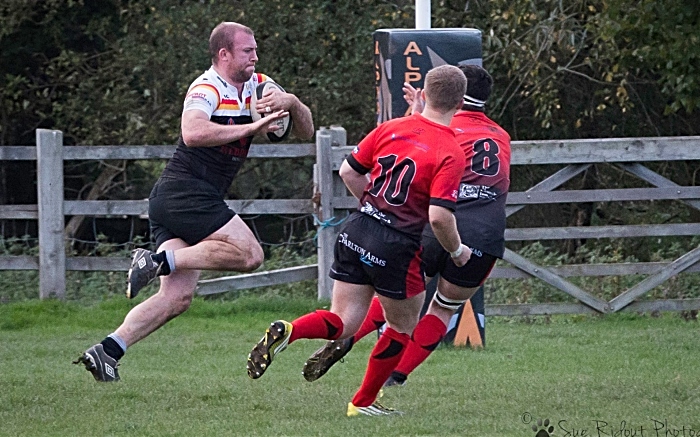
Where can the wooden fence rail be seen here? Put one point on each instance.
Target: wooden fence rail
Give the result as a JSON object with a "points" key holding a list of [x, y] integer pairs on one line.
{"points": [[331, 202]]}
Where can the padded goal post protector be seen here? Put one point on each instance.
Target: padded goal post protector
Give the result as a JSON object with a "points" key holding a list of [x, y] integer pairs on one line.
{"points": [[467, 326], [406, 55]]}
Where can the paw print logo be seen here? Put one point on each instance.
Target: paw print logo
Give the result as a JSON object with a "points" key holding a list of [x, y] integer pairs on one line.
{"points": [[543, 428]]}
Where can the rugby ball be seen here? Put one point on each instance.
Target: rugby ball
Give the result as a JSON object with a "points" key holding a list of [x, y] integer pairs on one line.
{"points": [[284, 124]]}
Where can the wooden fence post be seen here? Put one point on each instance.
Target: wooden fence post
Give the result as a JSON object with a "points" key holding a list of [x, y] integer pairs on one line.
{"points": [[52, 251], [323, 175], [339, 138], [326, 188]]}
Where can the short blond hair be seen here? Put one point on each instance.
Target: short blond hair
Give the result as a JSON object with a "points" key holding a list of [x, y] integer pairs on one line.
{"points": [[445, 87], [222, 37]]}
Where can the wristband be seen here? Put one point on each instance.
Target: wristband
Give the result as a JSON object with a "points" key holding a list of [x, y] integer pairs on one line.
{"points": [[457, 252]]}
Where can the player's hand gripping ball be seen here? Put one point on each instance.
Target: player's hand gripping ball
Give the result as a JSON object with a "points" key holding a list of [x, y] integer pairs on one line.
{"points": [[284, 124]]}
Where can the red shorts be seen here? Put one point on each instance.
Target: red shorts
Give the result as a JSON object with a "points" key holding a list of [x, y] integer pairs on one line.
{"points": [[368, 252]]}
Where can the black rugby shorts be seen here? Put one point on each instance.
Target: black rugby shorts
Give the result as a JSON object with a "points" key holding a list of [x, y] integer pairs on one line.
{"points": [[438, 260], [190, 209], [368, 252]]}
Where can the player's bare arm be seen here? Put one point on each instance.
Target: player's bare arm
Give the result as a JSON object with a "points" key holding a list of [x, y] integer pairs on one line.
{"points": [[199, 131], [445, 228], [303, 126], [355, 181]]}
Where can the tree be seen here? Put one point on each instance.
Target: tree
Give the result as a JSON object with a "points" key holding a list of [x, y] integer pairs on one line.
{"points": [[115, 72]]}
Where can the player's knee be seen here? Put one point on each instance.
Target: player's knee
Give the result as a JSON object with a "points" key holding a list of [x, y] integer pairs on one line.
{"points": [[449, 304], [404, 323], [254, 258], [181, 303], [176, 303]]}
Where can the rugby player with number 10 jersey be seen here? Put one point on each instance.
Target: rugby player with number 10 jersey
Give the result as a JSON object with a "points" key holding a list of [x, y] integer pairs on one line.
{"points": [[412, 163]]}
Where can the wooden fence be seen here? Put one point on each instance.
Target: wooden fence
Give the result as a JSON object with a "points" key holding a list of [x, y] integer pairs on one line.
{"points": [[331, 202]]}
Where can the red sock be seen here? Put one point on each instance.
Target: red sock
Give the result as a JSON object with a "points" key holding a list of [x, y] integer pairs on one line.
{"points": [[384, 357], [373, 321], [319, 324], [426, 337]]}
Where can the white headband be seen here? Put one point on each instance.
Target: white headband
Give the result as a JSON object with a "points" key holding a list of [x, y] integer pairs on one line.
{"points": [[468, 100]]}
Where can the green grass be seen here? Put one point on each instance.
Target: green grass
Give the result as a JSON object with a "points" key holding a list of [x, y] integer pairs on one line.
{"points": [[189, 377]]}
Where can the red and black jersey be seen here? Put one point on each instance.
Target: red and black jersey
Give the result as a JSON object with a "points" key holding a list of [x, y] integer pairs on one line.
{"points": [[412, 163], [481, 201]]}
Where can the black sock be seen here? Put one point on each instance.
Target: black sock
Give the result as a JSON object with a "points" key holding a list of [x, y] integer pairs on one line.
{"points": [[162, 260], [112, 348], [399, 377]]}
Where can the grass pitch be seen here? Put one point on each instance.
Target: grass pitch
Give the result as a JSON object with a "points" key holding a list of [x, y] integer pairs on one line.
{"points": [[596, 376]]}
